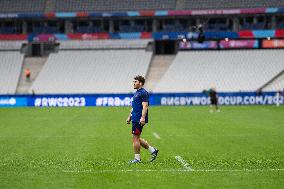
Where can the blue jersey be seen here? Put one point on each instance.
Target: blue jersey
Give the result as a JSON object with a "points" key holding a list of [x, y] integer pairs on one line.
{"points": [[141, 95]]}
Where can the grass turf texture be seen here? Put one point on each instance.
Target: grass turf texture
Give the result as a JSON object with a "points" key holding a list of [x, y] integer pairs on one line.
{"points": [[240, 147]]}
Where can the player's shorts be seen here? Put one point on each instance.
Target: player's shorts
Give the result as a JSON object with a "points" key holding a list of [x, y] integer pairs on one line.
{"points": [[214, 101], [136, 128]]}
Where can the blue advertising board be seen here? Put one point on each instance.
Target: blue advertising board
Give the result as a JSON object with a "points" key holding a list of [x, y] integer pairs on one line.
{"points": [[12, 101], [80, 100], [240, 98], [157, 99]]}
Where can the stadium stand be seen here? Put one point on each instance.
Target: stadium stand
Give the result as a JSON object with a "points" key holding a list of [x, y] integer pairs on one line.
{"points": [[88, 71], [276, 85], [15, 6], [10, 68], [103, 44], [114, 5], [228, 71], [225, 4], [11, 45]]}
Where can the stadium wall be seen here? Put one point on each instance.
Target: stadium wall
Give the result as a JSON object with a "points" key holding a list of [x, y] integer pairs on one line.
{"points": [[157, 99]]}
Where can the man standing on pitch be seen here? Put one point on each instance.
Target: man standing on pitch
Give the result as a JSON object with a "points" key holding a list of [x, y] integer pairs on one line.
{"points": [[139, 117], [213, 100]]}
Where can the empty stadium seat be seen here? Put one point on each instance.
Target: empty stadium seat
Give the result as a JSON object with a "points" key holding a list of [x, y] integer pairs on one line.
{"points": [[228, 71], [114, 5], [86, 71], [104, 44], [11, 45], [10, 68], [224, 4], [27, 6]]}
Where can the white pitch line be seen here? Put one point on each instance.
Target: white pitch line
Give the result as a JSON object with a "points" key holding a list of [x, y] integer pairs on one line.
{"points": [[184, 163], [171, 170], [156, 135]]}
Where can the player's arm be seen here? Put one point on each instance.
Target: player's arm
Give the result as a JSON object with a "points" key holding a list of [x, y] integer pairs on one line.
{"points": [[129, 117], [144, 112]]}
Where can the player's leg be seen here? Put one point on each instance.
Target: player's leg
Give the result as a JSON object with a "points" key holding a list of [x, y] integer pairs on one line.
{"points": [[211, 108], [144, 143], [136, 146], [211, 105], [216, 106], [152, 150], [136, 132]]}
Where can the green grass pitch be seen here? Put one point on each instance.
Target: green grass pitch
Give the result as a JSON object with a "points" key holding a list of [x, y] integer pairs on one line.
{"points": [[240, 147]]}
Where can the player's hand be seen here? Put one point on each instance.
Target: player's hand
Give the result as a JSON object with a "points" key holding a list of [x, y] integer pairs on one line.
{"points": [[142, 121], [128, 120]]}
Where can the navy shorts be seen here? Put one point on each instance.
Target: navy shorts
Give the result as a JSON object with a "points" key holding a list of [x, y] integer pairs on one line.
{"points": [[214, 101], [136, 128]]}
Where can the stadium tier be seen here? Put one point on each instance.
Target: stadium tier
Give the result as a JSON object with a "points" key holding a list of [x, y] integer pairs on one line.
{"points": [[228, 71], [226, 4], [10, 68], [11, 45], [39, 6], [15, 6], [114, 5], [102, 71], [119, 19]]}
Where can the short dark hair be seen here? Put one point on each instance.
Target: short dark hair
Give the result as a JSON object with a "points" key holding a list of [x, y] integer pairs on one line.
{"points": [[140, 79]]}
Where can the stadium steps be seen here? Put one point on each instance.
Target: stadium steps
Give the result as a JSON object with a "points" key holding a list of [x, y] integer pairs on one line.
{"points": [[275, 84], [158, 67], [35, 65]]}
